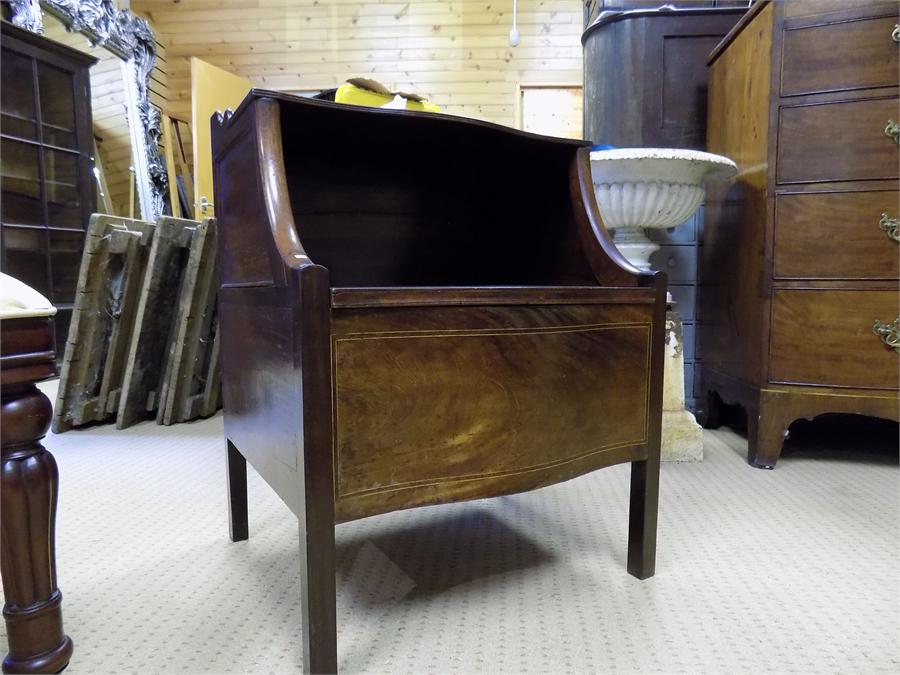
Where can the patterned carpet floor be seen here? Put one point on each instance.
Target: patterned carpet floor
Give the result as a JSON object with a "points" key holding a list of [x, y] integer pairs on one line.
{"points": [[787, 571]]}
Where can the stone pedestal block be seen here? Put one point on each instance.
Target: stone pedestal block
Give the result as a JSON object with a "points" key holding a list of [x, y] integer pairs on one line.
{"points": [[682, 437]]}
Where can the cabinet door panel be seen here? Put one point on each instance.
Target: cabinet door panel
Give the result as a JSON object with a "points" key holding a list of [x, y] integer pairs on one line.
{"points": [[825, 337], [25, 256], [57, 97], [65, 260], [17, 103], [21, 201], [64, 204]]}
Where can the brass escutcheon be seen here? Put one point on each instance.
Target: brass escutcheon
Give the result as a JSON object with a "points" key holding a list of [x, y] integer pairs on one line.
{"points": [[892, 130], [889, 333], [891, 227]]}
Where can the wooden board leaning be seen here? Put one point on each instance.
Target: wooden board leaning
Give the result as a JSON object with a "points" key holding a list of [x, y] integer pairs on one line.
{"points": [[154, 319], [109, 285], [143, 340], [190, 384]]}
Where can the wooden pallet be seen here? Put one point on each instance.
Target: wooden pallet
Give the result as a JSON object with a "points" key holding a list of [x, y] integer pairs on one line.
{"points": [[191, 383], [143, 337], [155, 319], [109, 285]]}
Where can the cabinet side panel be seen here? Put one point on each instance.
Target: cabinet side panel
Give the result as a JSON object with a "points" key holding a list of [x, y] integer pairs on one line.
{"points": [[261, 391], [733, 265]]}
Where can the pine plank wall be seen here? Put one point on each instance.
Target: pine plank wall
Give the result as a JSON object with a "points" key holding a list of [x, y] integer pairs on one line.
{"points": [[455, 52]]}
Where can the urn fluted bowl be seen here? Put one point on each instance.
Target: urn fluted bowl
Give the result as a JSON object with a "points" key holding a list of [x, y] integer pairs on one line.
{"points": [[640, 188]]}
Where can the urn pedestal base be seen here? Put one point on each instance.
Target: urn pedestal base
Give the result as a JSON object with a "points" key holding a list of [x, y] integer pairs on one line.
{"points": [[682, 437]]}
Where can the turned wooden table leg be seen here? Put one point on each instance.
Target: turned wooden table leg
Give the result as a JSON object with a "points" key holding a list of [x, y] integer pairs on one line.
{"points": [[37, 643]]}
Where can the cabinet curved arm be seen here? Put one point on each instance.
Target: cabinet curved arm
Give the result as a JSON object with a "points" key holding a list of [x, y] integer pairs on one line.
{"points": [[274, 185], [610, 267]]}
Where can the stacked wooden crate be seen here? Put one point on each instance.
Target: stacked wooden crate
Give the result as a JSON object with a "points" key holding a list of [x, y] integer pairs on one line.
{"points": [[143, 340]]}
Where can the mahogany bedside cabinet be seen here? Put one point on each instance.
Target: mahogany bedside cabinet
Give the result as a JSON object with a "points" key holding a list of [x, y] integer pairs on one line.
{"points": [[419, 309]]}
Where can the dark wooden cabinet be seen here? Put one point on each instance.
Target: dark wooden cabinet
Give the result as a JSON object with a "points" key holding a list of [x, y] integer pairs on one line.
{"points": [[645, 85], [46, 145], [799, 270], [645, 80]]}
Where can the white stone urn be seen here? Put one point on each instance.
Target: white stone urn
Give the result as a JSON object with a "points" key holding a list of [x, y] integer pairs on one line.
{"points": [[641, 188]]}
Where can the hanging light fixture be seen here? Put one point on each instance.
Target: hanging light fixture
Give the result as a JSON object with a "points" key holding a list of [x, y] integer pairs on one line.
{"points": [[514, 31]]}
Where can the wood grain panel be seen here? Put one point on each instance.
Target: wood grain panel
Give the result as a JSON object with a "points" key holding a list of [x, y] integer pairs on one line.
{"points": [[422, 412], [732, 263], [838, 56], [825, 337], [837, 141], [835, 235], [439, 49]]}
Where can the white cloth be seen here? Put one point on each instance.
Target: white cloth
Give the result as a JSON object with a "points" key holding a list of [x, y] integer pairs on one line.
{"points": [[19, 301]]}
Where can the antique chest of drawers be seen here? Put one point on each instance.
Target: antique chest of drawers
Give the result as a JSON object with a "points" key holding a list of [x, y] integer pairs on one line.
{"points": [[798, 301]]}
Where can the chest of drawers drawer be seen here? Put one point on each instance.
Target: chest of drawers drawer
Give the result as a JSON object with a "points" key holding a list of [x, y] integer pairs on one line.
{"points": [[678, 262], [852, 54], [844, 140], [826, 337], [800, 8], [836, 235]]}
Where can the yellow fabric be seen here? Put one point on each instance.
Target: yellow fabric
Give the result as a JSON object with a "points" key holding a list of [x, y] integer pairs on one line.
{"points": [[348, 93]]}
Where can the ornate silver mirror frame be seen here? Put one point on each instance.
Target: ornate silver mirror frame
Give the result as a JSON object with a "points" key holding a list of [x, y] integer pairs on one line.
{"points": [[132, 40]]}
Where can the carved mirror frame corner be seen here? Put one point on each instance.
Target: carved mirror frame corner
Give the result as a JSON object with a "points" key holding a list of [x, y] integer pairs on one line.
{"points": [[131, 39]]}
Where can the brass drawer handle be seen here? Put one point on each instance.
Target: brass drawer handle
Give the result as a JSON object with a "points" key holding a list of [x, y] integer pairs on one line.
{"points": [[889, 333], [891, 227], [895, 34], [892, 130]]}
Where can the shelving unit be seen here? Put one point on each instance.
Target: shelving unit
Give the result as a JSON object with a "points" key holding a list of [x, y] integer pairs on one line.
{"points": [[46, 180]]}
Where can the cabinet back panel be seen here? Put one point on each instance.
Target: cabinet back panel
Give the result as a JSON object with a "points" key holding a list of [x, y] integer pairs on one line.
{"points": [[402, 206]]}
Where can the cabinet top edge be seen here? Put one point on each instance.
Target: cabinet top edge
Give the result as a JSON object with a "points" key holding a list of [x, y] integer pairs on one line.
{"points": [[738, 28], [664, 12]]}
